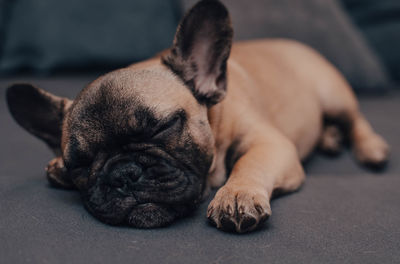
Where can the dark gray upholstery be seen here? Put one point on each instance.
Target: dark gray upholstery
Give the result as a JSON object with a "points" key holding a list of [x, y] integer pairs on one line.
{"points": [[380, 23], [80, 35], [324, 25], [343, 214]]}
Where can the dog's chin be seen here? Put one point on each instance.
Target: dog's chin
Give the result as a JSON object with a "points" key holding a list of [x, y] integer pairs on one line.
{"points": [[147, 215], [151, 215]]}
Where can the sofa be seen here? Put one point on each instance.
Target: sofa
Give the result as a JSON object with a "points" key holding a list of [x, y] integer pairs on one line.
{"points": [[344, 213]]}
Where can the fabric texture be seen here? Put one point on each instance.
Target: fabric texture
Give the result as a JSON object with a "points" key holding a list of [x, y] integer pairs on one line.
{"points": [[48, 35], [343, 214], [380, 23], [4, 14], [323, 25]]}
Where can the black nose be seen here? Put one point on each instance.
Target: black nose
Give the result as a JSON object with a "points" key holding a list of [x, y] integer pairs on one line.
{"points": [[120, 173]]}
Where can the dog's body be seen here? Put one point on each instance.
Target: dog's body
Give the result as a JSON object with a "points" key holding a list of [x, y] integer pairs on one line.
{"points": [[259, 73], [280, 92], [138, 142]]}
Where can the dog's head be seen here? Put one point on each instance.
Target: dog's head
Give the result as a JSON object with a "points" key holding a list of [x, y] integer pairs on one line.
{"points": [[137, 142]]}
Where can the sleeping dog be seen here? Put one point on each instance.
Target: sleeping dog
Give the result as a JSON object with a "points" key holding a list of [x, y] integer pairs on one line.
{"points": [[143, 144]]}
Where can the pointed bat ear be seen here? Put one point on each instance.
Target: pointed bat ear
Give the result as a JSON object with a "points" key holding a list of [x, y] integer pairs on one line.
{"points": [[201, 49], [38, 111]]}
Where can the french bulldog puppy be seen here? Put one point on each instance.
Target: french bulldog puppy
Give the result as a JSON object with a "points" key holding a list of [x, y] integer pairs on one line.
{"points": [[142, 144]]}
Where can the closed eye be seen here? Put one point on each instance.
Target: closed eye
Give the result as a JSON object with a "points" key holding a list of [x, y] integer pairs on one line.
{"points": [[173, 125]]}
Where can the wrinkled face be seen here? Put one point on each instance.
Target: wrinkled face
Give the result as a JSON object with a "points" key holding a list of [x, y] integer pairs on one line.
{"points": [[137, 142], [138, 145]]}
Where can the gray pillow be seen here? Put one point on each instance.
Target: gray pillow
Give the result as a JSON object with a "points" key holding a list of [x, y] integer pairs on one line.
{"points": [[321, 24], [47, 35], [4, 7], [380, 23]]}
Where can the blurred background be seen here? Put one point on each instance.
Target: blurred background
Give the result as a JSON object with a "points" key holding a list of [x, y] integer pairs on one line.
{"points": [[52, 37]]}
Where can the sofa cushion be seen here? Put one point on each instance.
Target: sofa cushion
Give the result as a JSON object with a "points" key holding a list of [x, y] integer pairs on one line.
{"points": [[77, 34], [380, 22], [321, 24]]}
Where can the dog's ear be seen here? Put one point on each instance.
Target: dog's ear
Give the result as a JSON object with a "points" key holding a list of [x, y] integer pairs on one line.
{"points": [[201, 49], [38, 111]]}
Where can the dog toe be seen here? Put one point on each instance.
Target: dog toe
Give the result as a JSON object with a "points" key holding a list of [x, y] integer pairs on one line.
{"points": [[373, 153], [238, 211], [227, 223]]}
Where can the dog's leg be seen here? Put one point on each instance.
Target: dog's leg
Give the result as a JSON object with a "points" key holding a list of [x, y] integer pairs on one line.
{"points": [[339, 104], [369, 148], [267, 164], [56, 174], [331, 140]]}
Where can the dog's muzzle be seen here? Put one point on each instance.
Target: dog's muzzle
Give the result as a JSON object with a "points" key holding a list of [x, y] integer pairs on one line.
{"points": [[142, 191]]}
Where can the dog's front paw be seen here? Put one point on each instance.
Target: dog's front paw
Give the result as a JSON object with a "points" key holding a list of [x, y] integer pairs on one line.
{"points": [[238, 210]]}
